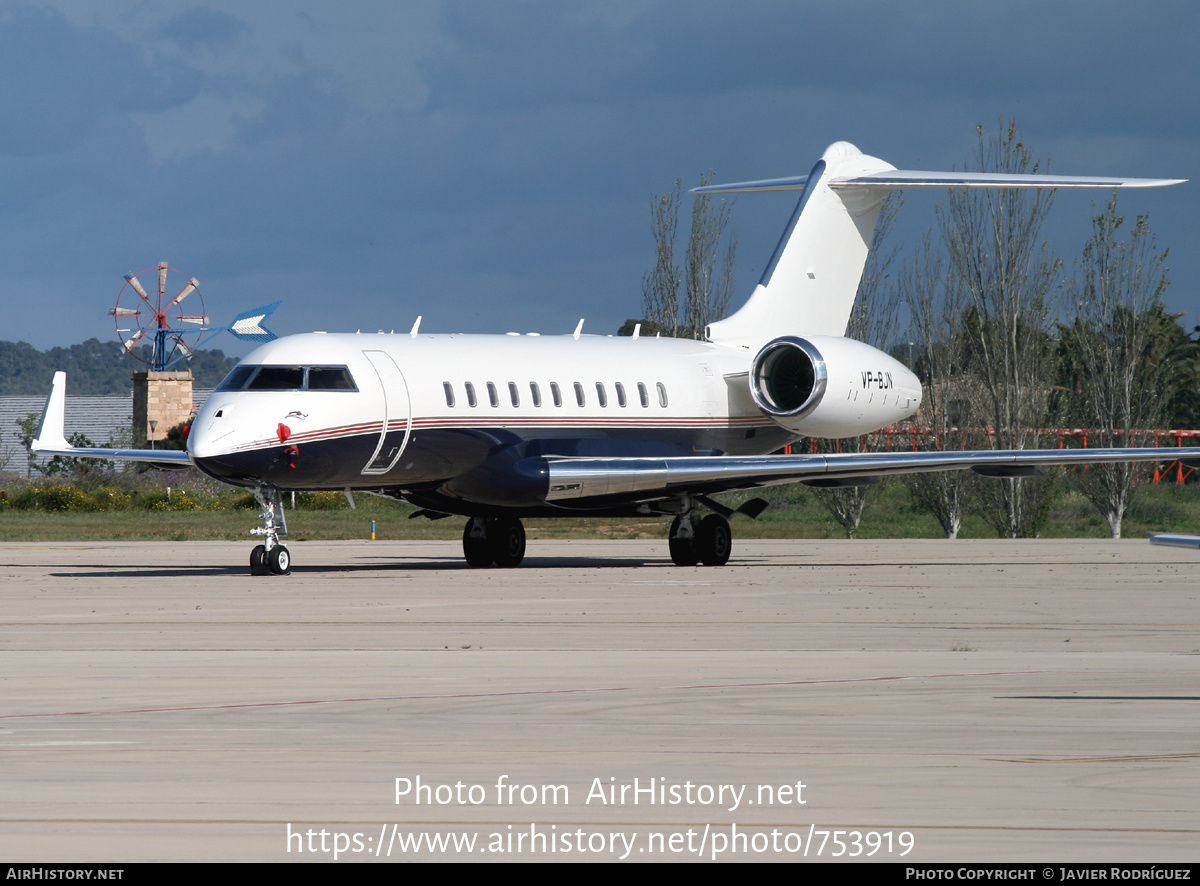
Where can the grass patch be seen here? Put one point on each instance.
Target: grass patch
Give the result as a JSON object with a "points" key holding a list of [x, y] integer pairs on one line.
{"points": [[794, 513]]}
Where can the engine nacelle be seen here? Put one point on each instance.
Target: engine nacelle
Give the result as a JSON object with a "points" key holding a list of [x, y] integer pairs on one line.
{"points": [[822, 386]]}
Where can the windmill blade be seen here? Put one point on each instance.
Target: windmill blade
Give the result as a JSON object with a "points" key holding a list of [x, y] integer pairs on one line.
{"points": [[137, 287], [133, 340], [123, 312], [192, 285], [197, 319], [181, 346], [162, 280]]}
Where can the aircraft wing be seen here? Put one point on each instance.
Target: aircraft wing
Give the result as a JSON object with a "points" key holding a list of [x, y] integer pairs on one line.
{"points": [[649, 478], [51, 438]]}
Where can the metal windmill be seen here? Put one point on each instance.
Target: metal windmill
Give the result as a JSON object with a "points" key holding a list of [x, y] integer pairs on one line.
{"points": [[172, 331]]}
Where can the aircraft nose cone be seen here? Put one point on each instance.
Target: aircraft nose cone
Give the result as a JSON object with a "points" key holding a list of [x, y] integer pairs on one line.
{"points": [[214, 433], [199, 443]]}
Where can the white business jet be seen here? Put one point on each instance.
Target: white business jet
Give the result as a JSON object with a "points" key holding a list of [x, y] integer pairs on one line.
{"points": [[500, 427]]}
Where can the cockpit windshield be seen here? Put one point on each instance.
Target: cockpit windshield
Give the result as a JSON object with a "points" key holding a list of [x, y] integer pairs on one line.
{"points": [[288, 378]]}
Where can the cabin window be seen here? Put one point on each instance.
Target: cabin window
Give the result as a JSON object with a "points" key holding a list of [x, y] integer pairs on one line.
{"points": [[601, 395], [579, 394], [513, 395], [643, 395], [237, 378], [662, 395], [536, 393], [278, 378], [555, 393], [621, 395], [471, 401], [493, 397], [449, 389], [330, 378]]}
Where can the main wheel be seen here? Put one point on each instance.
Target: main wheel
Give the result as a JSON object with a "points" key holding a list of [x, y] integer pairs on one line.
{"points": [[477, 548], [683, 548], [714, 541], [507, 536], [258, 560], [279, 561]]}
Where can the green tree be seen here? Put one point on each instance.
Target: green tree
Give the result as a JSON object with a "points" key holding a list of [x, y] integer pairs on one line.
{"points": [[1010, 279], [75, 467], [935, 305], [28, 430], [1117, 374], [706, 278]]}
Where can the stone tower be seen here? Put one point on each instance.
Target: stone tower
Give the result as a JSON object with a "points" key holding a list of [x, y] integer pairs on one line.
{"points": [[164, 398]]}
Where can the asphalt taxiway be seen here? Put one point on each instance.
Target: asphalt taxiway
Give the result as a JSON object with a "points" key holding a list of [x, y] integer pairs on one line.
{"points": [[995, 700]]}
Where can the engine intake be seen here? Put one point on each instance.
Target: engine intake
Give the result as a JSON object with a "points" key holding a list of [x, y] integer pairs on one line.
{"points": [[788, 378]]}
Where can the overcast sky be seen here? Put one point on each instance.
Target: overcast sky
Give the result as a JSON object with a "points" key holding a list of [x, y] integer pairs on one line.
{"points": [[489, 164]]}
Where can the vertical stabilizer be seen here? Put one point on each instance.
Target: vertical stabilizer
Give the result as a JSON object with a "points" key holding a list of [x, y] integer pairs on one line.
{"points": [[809, 285]]}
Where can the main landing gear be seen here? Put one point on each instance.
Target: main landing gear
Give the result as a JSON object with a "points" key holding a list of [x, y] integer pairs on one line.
{"points": [[271, 557], [494, 540], [694, 540]]}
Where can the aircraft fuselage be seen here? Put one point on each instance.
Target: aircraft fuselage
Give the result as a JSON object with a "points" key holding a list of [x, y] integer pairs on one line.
{"points": [[466, 423]]}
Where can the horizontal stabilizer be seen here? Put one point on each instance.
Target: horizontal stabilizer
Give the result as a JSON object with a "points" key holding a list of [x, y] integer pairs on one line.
{"points": [[791, 183], [916, 178]]}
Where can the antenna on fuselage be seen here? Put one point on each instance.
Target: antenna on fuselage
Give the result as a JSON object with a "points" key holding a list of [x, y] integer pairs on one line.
{"points": [[416, 326], [579, 329]]}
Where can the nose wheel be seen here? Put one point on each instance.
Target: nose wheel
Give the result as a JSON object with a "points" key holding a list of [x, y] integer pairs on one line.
{"points": [[498, 541], [272, 557]]}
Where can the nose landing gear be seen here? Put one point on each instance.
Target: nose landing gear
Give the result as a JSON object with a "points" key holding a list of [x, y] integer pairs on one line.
{"points": [[272, 557]]}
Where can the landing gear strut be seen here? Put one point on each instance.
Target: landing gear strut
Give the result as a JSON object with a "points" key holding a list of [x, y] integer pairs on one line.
{"points": [[494, 540], [708, 541], [272, 557]]}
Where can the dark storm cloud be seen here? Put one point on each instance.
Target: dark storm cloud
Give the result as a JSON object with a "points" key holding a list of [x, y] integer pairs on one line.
{"points": [[491, 166], [58, 79], [203, 27], [1096, 62]]}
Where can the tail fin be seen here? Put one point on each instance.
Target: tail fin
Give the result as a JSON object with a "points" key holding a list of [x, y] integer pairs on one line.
{"points": [[809, 285]]}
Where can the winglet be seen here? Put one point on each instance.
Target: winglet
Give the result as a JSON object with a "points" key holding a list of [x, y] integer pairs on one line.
{"points": [[50, 432]]}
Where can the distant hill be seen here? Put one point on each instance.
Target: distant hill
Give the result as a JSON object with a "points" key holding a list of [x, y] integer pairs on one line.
{"points": [[94, 368]]}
